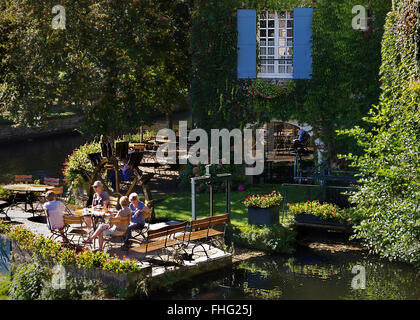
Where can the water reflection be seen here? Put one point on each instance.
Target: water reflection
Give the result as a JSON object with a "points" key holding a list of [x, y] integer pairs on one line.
{"points": [[41, 157], [305, 277]]}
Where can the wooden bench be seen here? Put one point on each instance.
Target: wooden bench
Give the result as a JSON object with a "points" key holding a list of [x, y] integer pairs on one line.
{"points": [[203, 230], [162, 239]]}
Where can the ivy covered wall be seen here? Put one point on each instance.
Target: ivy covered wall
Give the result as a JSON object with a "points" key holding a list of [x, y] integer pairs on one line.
{"points": [[344, 84]]}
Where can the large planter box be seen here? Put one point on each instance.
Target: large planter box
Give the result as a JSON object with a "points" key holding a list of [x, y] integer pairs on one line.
{"points": [[306, 219], [266, 216]]}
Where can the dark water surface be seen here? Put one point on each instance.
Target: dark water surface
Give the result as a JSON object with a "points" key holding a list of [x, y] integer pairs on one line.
{"points": [[41, 157], [303, 277]]}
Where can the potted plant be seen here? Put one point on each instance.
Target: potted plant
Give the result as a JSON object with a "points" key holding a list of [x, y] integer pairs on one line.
{"points": [[264, 209], [314, 212]]}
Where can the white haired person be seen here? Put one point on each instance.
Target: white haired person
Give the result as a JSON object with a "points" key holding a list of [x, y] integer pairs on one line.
{"points": [[137, 221], [107, 229], [100, 199], [55, 209]]}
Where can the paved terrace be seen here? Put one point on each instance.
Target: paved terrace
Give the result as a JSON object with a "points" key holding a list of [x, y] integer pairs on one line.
{"points": [[217, 258]]}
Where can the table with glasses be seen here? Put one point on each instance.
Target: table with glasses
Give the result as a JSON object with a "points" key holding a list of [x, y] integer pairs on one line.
{"points": [[97, 215]]}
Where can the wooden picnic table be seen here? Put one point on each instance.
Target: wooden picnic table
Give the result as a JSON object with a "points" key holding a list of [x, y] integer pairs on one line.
{"points": [[28, 189]]}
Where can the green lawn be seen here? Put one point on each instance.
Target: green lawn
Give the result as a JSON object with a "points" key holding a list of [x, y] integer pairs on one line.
{"points": [[178, 206]]}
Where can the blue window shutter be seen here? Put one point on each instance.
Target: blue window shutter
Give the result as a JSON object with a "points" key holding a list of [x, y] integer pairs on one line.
{"points": [[302, 46], [247, 43]]}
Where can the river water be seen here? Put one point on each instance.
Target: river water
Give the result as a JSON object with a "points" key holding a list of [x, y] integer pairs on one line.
{"points": [[41, 157], [305, 276]]}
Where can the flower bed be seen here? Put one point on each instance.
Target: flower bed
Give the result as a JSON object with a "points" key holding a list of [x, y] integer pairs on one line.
{"points": [[274, 199], [54, 252], [316, 212]]}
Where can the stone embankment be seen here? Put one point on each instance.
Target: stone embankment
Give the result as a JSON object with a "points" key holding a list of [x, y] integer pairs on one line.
{"points": [[56, 125]]}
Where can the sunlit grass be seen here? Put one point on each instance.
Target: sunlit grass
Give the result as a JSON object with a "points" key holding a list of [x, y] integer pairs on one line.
{"points": [[178, 206]]}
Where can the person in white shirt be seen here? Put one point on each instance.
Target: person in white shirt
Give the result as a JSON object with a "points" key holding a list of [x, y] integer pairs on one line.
{"points": [[55, 211]]}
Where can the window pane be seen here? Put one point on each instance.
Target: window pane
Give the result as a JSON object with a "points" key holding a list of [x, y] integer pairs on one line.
{"points": [[263, 24], [282, 15], [263, 43], [282, 33], [271, 15], [289, 51], [270, 69], [271, 43], [263, 69], [271, 33], [282, 61], [282, 69], [271, 23], [282, 23], [263, 51], [290, 32], [282, 42], [289, 23], [289, 43], [263, 33], [271, 51], [270, 60], [289, 69]]}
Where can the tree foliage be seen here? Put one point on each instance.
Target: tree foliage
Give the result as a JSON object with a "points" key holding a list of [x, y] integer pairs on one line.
{"points": [[389, 199], [115, 62]]}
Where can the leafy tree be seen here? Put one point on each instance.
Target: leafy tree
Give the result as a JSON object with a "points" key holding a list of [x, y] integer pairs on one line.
{"points": [[115, 63], [389, 199]]}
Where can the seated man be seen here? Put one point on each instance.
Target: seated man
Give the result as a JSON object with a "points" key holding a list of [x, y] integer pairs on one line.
{"points": [[137, 222], [302, 139], [55, 212]]}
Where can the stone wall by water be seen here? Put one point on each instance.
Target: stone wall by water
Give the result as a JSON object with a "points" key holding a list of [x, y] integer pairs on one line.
{"points": [[56, 125]]}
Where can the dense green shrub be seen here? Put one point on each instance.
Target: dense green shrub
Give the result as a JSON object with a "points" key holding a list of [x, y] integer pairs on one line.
{"points": [[389, 198], [28, 281], [275, 238], [75, 289], [4, 287]]}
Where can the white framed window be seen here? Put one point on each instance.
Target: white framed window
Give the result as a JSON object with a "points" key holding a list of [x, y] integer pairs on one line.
{"points": [[275, 38]]}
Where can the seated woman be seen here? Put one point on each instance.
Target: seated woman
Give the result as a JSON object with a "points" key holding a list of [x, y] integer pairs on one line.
{"points": [[137, 221], [55, 211], [100, 198], [115, 230]]}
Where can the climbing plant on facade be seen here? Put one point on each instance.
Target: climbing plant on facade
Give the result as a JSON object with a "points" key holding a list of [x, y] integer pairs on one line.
{"points": [[389, 199]]}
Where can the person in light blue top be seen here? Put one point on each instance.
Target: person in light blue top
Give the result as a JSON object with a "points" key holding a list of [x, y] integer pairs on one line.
{"points": [[137, 208]]}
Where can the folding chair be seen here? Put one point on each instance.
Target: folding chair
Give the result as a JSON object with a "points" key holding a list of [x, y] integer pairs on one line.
{"points": [[110, 239], [75, 226], [142, 233]]}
